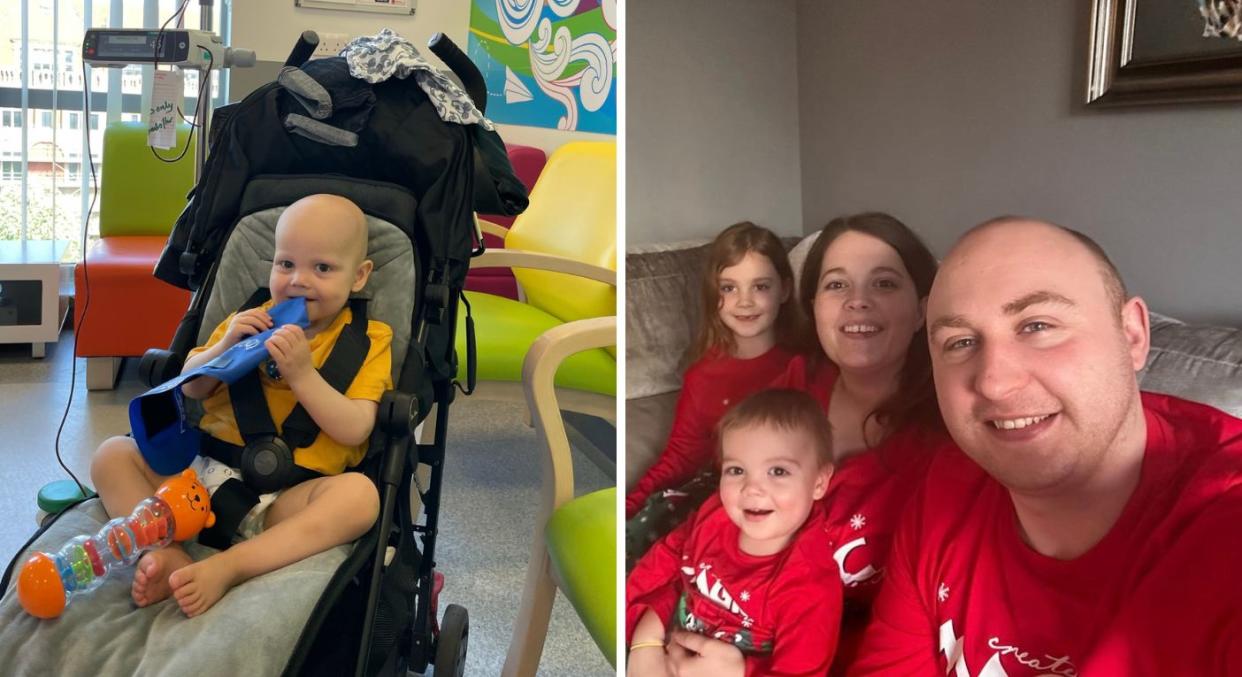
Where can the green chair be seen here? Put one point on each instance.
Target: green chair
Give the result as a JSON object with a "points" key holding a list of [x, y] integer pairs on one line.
{"points": [[563, 251], [574, 542]]}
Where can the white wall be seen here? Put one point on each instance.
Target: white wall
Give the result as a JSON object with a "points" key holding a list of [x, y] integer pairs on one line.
{"points": [[951, 112], [271, 27], [712, 118]]}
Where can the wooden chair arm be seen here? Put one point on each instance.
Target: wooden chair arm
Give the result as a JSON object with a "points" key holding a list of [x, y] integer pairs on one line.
{"points": [[517, 258], [492, 228]]}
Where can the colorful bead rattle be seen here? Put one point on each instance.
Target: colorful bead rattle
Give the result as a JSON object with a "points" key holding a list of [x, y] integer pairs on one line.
{"points": [[179, 509]]}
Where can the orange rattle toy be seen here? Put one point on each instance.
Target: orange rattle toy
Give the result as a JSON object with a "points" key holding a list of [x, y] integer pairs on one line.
{"points": [[179, 509]]}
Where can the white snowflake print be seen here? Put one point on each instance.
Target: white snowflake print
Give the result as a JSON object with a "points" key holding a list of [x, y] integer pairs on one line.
{"points": [[745, 596], [747, 622], [858, 522], [942, 593]]}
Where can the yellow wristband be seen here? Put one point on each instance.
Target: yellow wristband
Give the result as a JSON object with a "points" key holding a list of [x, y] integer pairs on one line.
{"points": [[646, 645]]}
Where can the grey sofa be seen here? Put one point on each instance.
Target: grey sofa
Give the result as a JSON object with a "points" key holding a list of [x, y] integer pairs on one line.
{"points": [[1196, 362]]}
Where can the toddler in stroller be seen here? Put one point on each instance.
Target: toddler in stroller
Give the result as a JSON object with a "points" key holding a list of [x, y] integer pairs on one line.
{"points": [[320, 255], [364, 608]]}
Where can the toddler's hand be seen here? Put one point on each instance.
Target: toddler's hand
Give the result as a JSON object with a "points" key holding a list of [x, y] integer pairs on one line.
{"points": [[246, 323], [291, 352]]}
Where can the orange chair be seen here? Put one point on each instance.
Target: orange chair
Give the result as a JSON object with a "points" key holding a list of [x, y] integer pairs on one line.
{"points": [[120, 308]]}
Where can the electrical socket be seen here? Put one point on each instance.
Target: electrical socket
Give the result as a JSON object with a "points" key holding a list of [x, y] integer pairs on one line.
{"points": [[331, 44]]}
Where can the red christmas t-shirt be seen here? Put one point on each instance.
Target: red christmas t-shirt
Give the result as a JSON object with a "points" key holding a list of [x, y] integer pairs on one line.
{"points": [[708, 389], [1159, 595], [781, 610]]}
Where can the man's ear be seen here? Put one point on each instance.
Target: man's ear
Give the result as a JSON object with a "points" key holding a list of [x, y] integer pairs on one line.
{"points": [[922, 312], [1136, 327], [363, 274]]}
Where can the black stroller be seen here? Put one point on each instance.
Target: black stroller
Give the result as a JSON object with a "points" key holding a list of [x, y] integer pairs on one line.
{"points": [[419, 180]]}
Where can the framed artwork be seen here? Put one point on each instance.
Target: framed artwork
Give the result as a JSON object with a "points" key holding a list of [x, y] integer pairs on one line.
{"points": [[381, 6], [1164, 51]]}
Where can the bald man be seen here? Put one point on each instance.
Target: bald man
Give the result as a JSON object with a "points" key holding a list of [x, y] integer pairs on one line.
{"points": [[320, 255], [1083, 527]]}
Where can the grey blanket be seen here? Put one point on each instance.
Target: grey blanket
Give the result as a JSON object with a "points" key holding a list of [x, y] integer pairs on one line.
{"points": [[250, 631]]}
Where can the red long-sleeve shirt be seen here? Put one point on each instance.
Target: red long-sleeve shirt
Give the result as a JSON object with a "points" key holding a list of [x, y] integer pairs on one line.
{"points": [[1159, 595], [782, 610], [710, 386]]}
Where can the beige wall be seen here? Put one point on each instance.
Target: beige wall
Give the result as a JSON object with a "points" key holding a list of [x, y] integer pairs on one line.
{"points": [[712, 118], [951, 112], [270, 27]]}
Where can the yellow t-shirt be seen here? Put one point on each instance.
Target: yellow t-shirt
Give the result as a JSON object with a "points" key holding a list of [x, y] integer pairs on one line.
{"points": [[324, 455]]}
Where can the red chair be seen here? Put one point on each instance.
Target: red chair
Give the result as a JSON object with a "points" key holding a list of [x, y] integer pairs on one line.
{"points": [[527, 163]]}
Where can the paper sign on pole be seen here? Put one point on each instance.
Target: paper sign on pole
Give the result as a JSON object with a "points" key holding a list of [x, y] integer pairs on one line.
{"points": [[167, 99]]}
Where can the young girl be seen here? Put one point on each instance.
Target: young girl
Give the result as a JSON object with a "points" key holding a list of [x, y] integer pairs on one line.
{"points": [[743, 344]]}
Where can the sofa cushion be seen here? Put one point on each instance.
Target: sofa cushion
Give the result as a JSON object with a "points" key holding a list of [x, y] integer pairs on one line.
{"points": [[1195, 362], [662, 310], [648, 421], [797, 255]]}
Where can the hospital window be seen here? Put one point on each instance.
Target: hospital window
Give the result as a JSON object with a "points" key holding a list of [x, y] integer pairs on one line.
{"points": [[51, 57]]}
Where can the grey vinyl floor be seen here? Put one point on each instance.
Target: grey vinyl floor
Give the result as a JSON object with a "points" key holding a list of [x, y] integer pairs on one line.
{"points": [[491, 485]]}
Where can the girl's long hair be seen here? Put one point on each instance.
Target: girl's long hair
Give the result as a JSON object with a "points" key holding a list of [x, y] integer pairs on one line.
{"points": [[915, 398], [728, 249]]}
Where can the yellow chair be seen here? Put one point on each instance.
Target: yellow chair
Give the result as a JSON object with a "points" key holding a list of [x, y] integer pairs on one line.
{"points": [[563, 251], [574, 543]]}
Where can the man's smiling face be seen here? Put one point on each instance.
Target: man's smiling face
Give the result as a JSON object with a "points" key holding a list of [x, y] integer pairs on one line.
{"points": [[1034, 362]]}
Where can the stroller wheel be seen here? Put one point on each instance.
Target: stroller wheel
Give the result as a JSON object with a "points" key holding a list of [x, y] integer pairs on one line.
{"points": [[451, 646]]}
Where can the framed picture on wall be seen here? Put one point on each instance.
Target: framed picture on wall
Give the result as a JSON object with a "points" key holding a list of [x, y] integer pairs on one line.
{"points": [[1164, 51]]}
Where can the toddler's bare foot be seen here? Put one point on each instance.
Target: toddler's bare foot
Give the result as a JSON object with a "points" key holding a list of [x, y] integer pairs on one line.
{"points": [[199, 585], [151, 574]]}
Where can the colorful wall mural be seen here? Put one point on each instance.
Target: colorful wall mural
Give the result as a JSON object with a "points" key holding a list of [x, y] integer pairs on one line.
{"points": [[548, 63]]}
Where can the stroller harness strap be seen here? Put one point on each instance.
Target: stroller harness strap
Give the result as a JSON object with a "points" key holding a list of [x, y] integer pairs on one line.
{"points": [[266, 460]]}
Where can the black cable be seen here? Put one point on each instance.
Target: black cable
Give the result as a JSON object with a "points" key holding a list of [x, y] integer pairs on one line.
{"points": [[86, 281], [86, 277], [186, 120]]}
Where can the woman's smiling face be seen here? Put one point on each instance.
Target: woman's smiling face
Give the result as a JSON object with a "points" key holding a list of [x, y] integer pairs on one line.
{"points": [[866, 306]]}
